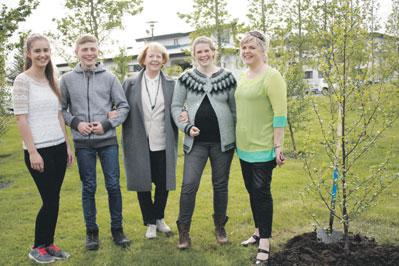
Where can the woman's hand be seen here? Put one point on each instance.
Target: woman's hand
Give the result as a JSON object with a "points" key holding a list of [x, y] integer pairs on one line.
{"points": [[36, 161], [194, 131], [279, 156], [183, 117], [112, 114], [70, 156]]}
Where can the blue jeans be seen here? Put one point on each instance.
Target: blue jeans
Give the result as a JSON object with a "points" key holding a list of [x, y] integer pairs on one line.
{"points": [[109, 159]]}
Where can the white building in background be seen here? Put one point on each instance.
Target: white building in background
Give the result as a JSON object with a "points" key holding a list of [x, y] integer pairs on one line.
{"points": [[177, 44], [179, 48]]}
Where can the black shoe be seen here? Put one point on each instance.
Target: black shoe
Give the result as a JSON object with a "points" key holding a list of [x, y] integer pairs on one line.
{"points": [[92, 242], [119, 238]]}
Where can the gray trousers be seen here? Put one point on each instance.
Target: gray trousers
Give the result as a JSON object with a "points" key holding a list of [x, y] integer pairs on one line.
{"points": [[194, 164]]}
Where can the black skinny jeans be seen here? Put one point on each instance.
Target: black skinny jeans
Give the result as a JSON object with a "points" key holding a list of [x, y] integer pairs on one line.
{"points": [[155, 210], [49, 185], [257, 179]]}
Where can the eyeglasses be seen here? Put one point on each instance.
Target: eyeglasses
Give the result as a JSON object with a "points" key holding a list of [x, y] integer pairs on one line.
{"points": [[258, 35]]}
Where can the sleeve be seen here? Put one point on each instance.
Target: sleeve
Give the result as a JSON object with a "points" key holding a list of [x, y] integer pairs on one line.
{"points": [[122, 107], [70, 120], [20, 96], [232, 103], [277, 93], [178, 101]]}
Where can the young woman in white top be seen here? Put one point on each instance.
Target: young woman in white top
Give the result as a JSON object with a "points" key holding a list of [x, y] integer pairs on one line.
{"points": [[36, 100]]}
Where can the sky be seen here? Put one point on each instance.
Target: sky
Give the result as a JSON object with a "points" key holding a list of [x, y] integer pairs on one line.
{"points": [[162, 11]]}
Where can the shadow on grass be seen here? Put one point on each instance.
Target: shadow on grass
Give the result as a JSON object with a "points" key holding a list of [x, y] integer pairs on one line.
{"points": [[4, 183]]}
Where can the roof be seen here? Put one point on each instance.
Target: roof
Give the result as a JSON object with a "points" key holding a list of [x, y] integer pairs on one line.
{"points": [[165, 36]]}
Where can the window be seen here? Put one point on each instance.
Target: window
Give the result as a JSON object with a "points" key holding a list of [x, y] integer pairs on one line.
{"points": [[320, 75], [225, 37], [134, 68], [176, 42], [309, 74]]}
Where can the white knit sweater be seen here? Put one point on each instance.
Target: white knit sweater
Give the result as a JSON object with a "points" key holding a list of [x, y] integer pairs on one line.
{"points": [[40, 104]]}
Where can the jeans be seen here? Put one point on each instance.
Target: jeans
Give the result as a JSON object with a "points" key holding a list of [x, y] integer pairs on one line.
{"points": [[194, 164], [109, 159], [257, 179], [154, 210], [49, 184]]}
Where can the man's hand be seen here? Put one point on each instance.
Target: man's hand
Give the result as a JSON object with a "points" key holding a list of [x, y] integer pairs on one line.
{"points": [[84, 128], [97, 128]]}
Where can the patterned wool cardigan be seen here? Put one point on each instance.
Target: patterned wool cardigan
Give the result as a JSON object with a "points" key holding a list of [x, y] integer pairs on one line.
{"points": [[191, 88]]}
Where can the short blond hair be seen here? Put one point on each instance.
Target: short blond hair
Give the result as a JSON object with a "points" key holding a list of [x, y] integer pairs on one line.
{"points": [[154, 46], [256, 36], [202, 39], [85, 39]]}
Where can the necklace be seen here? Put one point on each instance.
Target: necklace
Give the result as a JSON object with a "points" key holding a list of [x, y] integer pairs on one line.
{"points": [[148, 93]]}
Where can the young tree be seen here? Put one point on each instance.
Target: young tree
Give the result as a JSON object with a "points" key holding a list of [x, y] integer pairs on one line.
{"points": [[209, 17], [96, 17], [354, 116], [121, 67]]}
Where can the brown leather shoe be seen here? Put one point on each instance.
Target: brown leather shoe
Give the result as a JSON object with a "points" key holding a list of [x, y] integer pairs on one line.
{"points": [[220, 232], [184, 235]]}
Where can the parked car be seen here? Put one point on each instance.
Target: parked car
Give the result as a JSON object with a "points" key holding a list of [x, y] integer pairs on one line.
{"points": [[316, 82]]}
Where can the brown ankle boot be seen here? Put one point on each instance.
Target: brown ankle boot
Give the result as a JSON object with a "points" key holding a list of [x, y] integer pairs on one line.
{"points": [[220, 232], [184, 235]]}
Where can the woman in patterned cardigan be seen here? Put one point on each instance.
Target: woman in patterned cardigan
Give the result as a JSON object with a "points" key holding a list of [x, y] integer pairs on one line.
{"points": [[206, 92]]}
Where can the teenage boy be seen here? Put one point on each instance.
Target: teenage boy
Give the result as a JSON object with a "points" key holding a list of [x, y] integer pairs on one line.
{"points": [[89, 92]]}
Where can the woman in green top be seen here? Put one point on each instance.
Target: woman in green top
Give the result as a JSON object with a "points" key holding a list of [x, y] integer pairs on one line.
{"points": [[261, 99]]}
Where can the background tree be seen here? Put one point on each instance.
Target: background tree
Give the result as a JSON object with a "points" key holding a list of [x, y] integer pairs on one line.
{"points": [[96, 17], [261, 15], [210, 17], [10, 19], [17, 65], [353, 117], [173, 71], [391, 44], [288, 53], [121, 68]]}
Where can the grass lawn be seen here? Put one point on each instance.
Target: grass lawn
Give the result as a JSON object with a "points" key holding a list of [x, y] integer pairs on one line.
{"points": [[19, 203]]}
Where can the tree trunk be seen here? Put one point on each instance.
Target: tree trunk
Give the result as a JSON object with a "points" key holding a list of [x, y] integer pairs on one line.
{"points": [[218, 33], [94, 20], [292, 135], [263, 17], [345, 214]]}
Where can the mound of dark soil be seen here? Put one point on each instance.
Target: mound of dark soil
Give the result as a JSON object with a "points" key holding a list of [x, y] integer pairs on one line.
{"points": [[306, 250]]}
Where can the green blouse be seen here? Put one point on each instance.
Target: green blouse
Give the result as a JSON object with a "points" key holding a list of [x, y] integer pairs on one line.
{"points": [[261, 106]]}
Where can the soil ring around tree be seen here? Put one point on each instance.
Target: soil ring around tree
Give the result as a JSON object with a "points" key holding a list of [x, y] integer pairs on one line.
{"points": [[306, 250]]}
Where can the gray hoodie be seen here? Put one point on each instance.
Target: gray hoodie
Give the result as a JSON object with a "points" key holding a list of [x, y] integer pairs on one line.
{"points": [[87, 96]]}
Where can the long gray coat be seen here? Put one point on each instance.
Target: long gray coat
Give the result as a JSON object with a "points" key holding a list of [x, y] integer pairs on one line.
{"points": [[136, 149]]}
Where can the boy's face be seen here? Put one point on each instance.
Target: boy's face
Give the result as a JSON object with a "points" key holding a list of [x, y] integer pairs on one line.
{"points": [[87, 54]]}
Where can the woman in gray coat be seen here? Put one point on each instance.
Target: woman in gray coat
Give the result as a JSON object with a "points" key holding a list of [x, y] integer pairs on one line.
{"points": [[149, 137]]}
